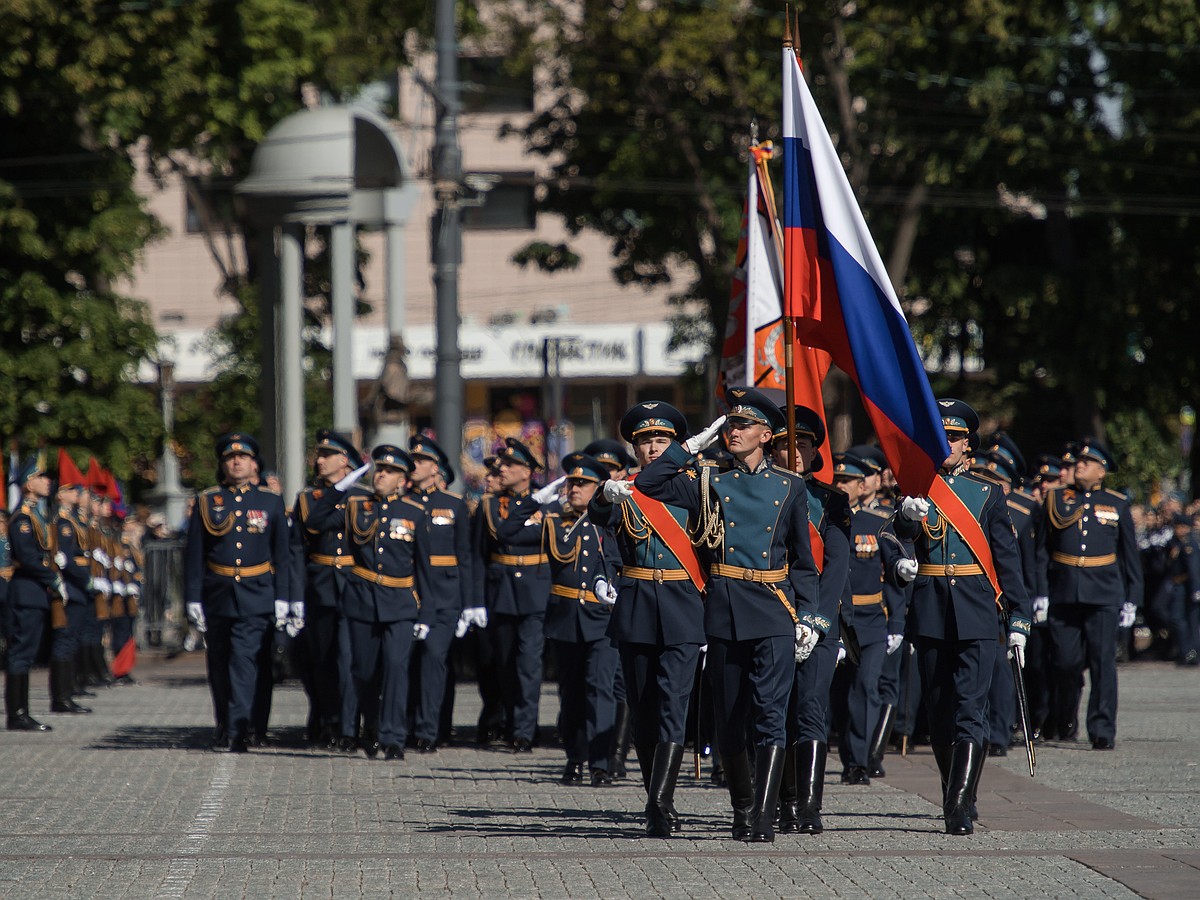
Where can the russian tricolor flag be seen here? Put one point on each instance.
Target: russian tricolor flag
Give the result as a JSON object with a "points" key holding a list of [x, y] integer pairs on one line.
{"points": [[839, 293]]}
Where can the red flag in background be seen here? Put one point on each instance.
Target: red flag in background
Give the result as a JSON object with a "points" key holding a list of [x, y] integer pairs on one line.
{"points": [[125, 659]]}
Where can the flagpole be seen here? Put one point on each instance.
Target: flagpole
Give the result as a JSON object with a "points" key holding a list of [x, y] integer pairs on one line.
{"points": [[789, 328]]}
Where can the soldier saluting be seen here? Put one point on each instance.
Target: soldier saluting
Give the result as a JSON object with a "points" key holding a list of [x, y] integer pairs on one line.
{"points": [[760, 612], [236, 583]]}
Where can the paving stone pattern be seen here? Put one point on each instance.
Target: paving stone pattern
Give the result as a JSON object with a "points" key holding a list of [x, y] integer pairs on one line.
{"points": [[129, 802]]}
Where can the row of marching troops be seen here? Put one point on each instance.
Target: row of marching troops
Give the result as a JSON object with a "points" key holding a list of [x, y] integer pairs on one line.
{"points": [[67, 575], [718, 557]]}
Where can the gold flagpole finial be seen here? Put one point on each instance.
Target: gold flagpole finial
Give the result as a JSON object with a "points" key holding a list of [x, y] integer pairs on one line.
{"points": [[796, 31], [787, 25]]}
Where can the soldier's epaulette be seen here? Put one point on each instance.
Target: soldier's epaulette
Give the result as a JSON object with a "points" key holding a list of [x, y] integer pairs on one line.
{"points": [[882, 514], [215, 489], [412, 502], [1024, 495], [452, 494], [1020, 507], [1115, 494]]}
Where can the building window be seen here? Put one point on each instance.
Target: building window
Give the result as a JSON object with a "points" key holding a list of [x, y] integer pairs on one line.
{"points": [[507, 205], [495, 84], [220, 201]]}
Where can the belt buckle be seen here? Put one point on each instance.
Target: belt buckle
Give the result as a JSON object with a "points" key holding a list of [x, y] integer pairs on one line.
{"points": [[950, 570], [582, 594], [658, 576], [1079, 562], [747, 574]]}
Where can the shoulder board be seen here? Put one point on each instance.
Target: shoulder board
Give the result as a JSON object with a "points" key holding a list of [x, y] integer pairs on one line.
{"points": [[451, 494], [1024, 495], [1116, 495], [411, 502], [215, 489], [878, 513], [820, 488], [1020, 507]]}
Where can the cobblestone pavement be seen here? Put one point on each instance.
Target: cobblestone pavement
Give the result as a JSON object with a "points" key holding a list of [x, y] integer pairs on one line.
{"points": [[128, 802]]}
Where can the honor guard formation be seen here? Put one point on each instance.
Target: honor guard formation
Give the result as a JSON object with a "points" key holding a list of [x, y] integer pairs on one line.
{"points": [[700, 591]]}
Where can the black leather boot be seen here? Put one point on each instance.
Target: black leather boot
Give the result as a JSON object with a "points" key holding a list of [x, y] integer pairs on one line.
{"points": [[768, 772], [660, 798], [956, 806], [61, 681], [741, 792], [100, 673], [976, 772], [16, 704], [645, 755], [622, 735], [941, 754], [810, 785], [879, 741], [79, 672], [789, 818]]}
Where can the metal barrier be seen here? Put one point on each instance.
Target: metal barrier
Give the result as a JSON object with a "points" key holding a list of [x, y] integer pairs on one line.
{"points": [[161, 616]]}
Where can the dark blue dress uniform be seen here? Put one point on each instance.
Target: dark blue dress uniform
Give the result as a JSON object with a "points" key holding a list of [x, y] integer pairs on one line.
{"points": [[1093, 568], [321, 564], [802, 787], [955, 624], [236, 564], [75, 567], [874, 606], [1181, 583], [657, 622], [577, 627], [516, 585], [383, 599], [451, 586], [763, 584], [33, 583]]}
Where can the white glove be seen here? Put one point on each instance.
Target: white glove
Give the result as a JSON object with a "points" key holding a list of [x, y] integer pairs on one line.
{"points": [[353, 477], [806, 639], [129, 566], [195, 613], [476, 615], [616, 491], [841, 654], [894, 643], [462, 625], [118, 588], [295, 618], [61, 587], [1127, 616], [60, 559], [605, 592], [133, 590], [281, 614], [102, 585], [1016, 647], [698, 442], [906, 570], [420, 632], [1041, 609], [550, 491], [914, 508], [101, 557]]}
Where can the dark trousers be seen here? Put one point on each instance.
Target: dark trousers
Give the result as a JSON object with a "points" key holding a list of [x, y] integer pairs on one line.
{"points": [[889, 677], [320, 664], [750, 683], [658, 687], [1185, 621], [27, 627], [65, 641], [380, 652], [520, 641], [347, 689], [862, 702], [1038, 675], [427, 671], [484, 645], [1085, 636], [955, 679], [808, 717], [238, 649], [1002, 700], [910, 712], [586, 672]]}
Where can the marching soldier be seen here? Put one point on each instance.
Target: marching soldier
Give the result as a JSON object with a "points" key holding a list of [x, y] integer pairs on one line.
{"points": [[236, 584], [495, 721], [583, 562], [321, 564], [35, 583], [1182, 581], [516, 579], [1095, 579], [968, 564], [879, 570], [384, 600], [802, 788], [658, 618], [761, 610], [449, 558]]}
